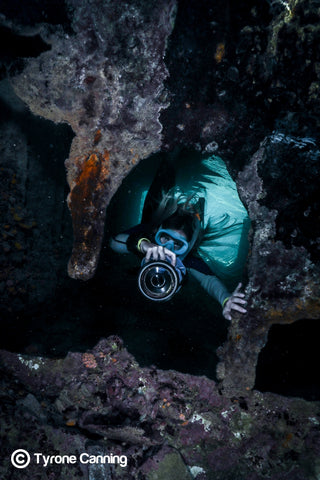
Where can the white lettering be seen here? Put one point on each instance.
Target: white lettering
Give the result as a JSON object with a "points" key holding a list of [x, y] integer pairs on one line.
{"points": [[58, 459], [120, 459], [123, 461], [38, 455], [84, 458], [100, 459]]}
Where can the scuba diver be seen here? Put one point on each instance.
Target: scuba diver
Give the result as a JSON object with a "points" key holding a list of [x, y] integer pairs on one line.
{"points": [[192, 221]]}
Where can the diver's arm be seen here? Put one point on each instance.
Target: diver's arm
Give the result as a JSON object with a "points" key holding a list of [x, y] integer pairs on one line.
{"points": [[212, 285], [139, 244], [215, 288], [130, 240], [119, 243]]}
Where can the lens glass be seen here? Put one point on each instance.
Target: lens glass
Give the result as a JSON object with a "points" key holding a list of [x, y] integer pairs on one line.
{"points": [[158, 280]]}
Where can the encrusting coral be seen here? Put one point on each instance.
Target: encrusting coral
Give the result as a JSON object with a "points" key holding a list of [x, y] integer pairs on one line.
{"points": [[105, 80], [155, 415]]}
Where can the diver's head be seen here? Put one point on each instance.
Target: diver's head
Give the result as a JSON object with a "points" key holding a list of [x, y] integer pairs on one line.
{"points": [[175, 233], [181, 222], [177, 222]]}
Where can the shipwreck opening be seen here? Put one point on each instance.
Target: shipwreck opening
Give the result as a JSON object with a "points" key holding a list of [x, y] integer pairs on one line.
{"points": [[288, 363], [55, 314], [179, 327]]}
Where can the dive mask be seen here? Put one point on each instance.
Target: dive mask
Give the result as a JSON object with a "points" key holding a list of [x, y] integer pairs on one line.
{"points": [[171, 240]]}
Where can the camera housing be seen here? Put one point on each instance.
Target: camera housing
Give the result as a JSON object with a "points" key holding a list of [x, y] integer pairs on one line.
{"points": [[159, 280]]}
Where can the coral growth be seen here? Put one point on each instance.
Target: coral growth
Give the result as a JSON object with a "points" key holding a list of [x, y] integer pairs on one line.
{"points": [[283, 281], [167, 424], [88, 360], [105, 80]]}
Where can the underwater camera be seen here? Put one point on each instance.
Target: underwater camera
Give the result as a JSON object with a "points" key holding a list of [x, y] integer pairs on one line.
{"points": [[159, 280]]}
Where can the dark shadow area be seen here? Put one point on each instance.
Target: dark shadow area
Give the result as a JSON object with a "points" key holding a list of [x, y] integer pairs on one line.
{"points": [[48, 143], [13, 45], [214, 87], [32, 12], [288, 364], [182, 334]]}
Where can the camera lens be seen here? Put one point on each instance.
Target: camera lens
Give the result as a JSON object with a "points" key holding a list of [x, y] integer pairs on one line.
{"points": [[158, 280]]}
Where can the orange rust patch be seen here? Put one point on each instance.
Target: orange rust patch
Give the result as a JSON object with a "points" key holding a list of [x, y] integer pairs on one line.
{"points": [[220, 52], [106, 156], [134, 159], [97, 137], [275, 313], [298, 309], [71, 423], [238, 337], [90, 172], [135, 156], [94, 170]]}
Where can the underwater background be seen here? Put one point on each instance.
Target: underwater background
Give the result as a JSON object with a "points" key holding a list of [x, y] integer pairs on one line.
{"points": [[93, 96]]}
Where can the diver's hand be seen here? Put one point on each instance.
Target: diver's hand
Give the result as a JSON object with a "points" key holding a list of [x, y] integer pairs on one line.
{"points": [[234, 303], [156, 252]]}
